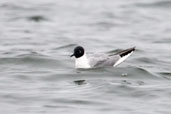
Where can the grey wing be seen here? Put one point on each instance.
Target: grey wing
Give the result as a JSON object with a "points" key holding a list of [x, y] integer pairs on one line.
{"points": [[104, 61], [110, 60]]}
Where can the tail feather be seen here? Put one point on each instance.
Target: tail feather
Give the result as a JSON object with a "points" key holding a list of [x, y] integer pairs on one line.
{"points": [[124, 55], [126, 52]]}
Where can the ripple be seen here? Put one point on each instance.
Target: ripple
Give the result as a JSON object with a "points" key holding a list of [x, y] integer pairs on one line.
{"points": [[158, 4], [37, 18], [65, 46], [147, 60], [80, 82], [166, 75], [35, 61]]}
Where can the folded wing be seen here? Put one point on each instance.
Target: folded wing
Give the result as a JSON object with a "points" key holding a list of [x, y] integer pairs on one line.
{"points": [[112, 60]]}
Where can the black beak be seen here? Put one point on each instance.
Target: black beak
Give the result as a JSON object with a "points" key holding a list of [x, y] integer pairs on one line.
{"points": [[71, 55]]}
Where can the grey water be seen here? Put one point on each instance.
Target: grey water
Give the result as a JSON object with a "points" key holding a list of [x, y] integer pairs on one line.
{"points": [[37, 76]]}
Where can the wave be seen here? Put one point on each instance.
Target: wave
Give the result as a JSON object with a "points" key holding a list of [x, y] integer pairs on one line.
{"points": [[161, 4]]}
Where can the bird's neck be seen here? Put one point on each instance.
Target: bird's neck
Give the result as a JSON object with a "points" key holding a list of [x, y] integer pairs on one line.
{"points": [[82, 62]]}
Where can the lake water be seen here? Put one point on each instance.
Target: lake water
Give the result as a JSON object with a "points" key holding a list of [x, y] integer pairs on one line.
{"points": [[37, 76]]}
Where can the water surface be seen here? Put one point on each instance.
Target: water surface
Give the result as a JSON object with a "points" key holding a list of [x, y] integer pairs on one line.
{"points": [[37, 76]]}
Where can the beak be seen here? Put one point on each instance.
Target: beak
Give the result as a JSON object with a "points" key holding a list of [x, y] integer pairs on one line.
{"points": [[71, 55]]}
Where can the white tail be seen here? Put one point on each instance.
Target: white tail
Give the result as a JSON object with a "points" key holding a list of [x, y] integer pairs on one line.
{"points": [[122, 59]]}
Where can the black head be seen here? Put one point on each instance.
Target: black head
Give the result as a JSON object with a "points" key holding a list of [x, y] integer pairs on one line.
{"points": [[78, 52]]}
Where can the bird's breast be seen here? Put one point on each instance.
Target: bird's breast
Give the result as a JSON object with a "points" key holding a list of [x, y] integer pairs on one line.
{"points": [[82, 62]]}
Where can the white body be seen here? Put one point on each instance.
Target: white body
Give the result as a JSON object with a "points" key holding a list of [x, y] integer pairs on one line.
{"points": [[82, 62]]}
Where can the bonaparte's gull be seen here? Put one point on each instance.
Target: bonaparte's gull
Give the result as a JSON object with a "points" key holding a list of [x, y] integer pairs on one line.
{"points": [[99, 60]]}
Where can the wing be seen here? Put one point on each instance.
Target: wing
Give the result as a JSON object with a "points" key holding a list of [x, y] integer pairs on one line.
{"points": [[104, 61], [111, 60], [125, 52]]}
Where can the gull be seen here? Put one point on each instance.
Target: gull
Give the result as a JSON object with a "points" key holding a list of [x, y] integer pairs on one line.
{"points": [[99, 60]]}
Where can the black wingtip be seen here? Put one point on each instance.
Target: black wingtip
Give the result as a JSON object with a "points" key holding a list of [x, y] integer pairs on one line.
{"points": [[126, 52]]}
